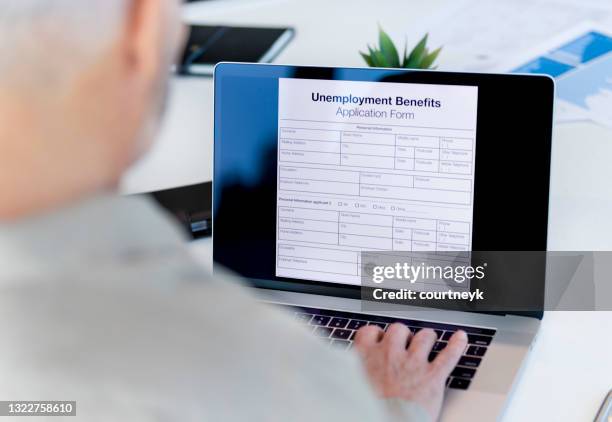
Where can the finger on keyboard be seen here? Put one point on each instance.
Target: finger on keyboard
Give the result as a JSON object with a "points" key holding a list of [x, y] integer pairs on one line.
{"points": [[448, 358]]}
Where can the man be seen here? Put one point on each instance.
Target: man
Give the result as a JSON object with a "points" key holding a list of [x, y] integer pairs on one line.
{"points": [[100, 302]]}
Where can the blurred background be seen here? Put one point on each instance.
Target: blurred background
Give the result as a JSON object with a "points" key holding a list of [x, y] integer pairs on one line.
{"points": [[543, 36]]}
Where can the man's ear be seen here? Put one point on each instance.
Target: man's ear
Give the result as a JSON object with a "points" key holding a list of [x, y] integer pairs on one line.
{"points": [[144, 32]]}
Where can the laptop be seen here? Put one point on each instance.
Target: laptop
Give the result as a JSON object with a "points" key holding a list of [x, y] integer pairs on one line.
{"points": [[316, 167]]}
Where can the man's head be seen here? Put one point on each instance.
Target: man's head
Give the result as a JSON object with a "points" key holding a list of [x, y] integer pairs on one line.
{"points": [[82, 88]]}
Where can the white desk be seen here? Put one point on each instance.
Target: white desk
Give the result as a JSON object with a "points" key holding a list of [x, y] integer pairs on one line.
{"points": [[570, 369]]}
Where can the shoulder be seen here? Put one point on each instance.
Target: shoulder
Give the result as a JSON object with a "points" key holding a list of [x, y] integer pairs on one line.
{"points": [[204, 346]]}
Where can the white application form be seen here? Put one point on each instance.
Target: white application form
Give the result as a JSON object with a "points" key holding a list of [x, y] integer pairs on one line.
{"points": [[371, 166]]}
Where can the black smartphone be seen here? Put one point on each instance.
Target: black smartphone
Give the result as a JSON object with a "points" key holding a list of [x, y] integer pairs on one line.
{"points": [[209, 45]]}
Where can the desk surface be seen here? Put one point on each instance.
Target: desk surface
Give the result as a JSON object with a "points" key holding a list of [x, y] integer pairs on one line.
{"points": [[570, 370]]}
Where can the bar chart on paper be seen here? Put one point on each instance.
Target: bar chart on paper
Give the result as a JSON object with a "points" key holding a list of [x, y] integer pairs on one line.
{"points": [[581, 62], [346, 184]]}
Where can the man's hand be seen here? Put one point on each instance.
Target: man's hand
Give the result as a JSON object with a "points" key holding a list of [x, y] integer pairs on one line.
{"points": [[397, 366]]}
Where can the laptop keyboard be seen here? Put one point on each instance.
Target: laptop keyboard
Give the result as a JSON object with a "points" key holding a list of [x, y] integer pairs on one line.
{"points": [[338, 328]]}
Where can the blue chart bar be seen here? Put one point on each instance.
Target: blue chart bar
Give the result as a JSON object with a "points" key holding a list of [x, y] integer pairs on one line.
{"points": [[544, 65], [572, 55], [586, 48], [583, 69]]}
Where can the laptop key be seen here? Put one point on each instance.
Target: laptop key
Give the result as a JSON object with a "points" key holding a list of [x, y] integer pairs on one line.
{"points": [[447, 335], [380, 324], [432, 356], [352, 337], [476, 350], [479, 340], [338, 322], [470, 361], [459, 383], [320, 320], [304, 318], [356, 324], [472, 338], [322, 331], [462, 372], [439, 346], [341, 334]]}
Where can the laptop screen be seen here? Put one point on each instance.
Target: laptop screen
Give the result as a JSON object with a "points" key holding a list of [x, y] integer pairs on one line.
{"points": [[315, 165], [366, 166]]}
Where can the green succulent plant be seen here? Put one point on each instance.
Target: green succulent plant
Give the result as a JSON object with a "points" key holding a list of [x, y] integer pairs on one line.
{"points": [[386, 54]]}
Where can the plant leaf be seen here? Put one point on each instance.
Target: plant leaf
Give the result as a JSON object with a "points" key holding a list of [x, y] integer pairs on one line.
{"points": [[417, 54], [388, 49], [379, 59], [367, 59], [415, 63], [429, 59], [387, 55], [405, 58], [375, 57]]}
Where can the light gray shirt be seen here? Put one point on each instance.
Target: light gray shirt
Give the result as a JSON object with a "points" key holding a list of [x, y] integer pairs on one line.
{"points": [[101, 303]]}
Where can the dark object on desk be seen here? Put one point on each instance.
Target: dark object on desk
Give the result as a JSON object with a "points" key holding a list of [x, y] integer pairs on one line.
{"points": [[191, 205], [209, 45]]}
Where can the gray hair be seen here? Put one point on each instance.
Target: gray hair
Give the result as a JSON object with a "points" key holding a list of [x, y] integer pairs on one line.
{"points": [[53, 39]]}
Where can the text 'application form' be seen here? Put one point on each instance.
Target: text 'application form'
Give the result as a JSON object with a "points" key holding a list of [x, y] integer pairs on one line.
{"points": [[367, 166]]}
